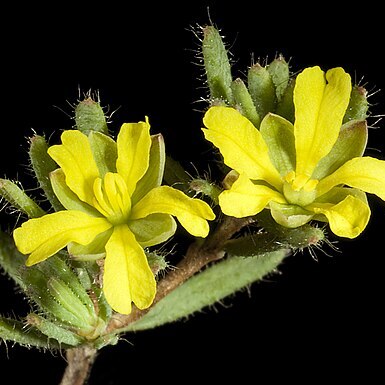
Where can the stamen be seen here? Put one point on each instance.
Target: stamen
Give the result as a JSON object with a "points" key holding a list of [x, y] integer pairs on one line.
{"points": [[111, 197]]}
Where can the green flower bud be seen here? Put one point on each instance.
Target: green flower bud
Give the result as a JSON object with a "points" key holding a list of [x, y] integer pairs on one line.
{"points": [[217, 65], [89, 116], [19, 199], [244, 103], [279, 72], [358, 106], [262, 89]]}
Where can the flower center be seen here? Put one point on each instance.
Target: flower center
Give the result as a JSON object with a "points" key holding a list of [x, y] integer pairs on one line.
{"points": [[112, 198], [299, 189]]}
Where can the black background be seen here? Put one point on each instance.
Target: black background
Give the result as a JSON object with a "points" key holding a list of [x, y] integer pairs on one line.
{"points": [[317, 320]]}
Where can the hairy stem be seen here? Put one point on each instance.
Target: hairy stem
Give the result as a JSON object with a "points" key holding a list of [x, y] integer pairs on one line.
{"points": [[79, 364], [198, 255]]}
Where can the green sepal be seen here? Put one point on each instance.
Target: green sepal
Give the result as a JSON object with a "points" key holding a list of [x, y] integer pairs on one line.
{"points": [[208, 287], [217, 65], [15, 331], [36, 283], [338, 194], [154, 174], [43, 165], [104, 310], [89, 275], [290, 216], [262, 89], [14, 195], [244, 103], [153, 229], [279, 72], [89, 116], [278, 134], [105, 340], [57, 267], [351, 143], [93, 251], [358, 105], [70, 301], [285, 107], [53, 331], [104, 151], [176, 176]]}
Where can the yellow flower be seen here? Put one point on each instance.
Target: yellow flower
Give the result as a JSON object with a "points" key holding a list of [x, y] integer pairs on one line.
{"points": [[115, 206], [313, 169]]}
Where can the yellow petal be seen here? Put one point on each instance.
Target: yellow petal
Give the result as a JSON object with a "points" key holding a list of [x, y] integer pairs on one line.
{"points": [[241, 144], [134, 144], [347, 219], [75, 158], [364, 173], [191, 213], [45, 236], [66, 196], [245, 198], [319, 110], [154, 174], [127, 276]]}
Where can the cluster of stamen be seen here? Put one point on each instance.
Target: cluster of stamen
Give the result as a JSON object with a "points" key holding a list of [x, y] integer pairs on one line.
{"points": [[299, 189], [111, 198]]}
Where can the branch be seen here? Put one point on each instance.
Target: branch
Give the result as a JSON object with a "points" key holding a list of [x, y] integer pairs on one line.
{"points": [[198, 255], [79, 363]]}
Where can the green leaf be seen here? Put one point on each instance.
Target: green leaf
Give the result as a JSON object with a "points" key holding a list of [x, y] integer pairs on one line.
{"points": [[43, 165], [244, 103], [217, 65], [208, 287], [262, 89]]}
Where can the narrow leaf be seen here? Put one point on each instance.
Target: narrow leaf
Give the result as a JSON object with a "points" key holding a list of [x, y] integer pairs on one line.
{"points": [[53, 330], [12, 330], [210, 286]]}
